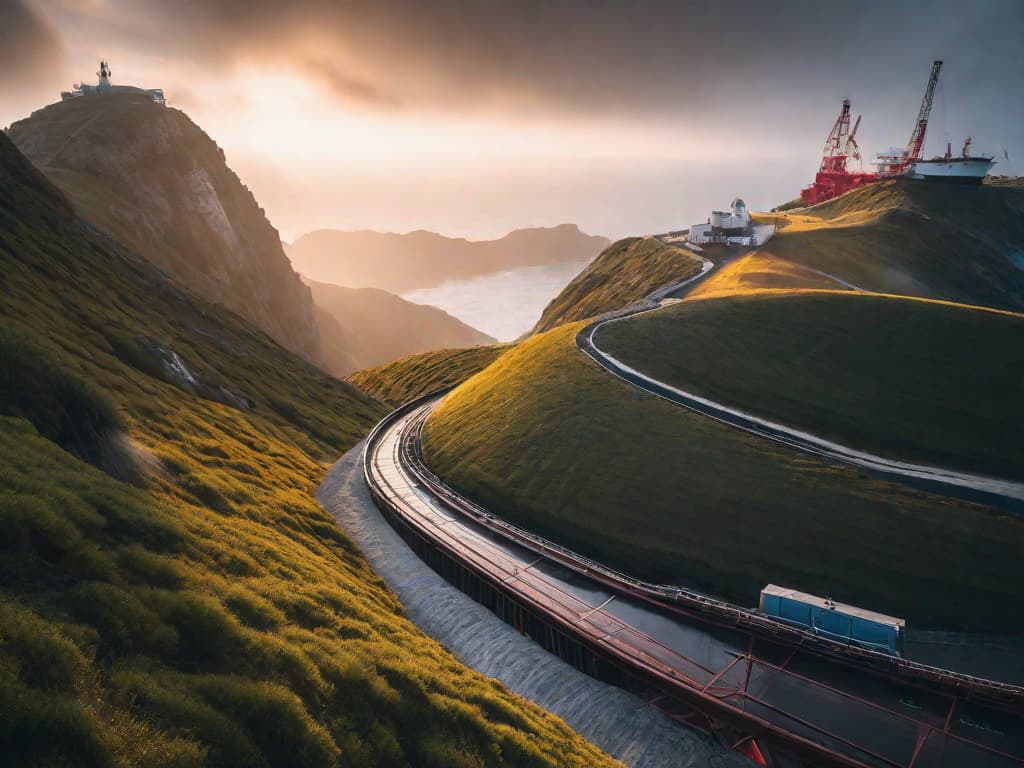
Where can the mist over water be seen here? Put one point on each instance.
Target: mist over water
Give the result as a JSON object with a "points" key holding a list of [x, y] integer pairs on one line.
{"points": [[504, 305]]}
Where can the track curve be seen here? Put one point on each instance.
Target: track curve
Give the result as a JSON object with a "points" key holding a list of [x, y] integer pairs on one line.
{"points": [[727, 670], [1004, 494]]}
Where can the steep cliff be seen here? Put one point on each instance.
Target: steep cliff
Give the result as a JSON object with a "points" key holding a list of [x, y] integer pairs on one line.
{"points": [[150, 177]]}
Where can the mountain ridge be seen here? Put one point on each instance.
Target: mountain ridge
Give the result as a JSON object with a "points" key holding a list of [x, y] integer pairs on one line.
{"points": [[423, 259], [367, 327], [154, 180]]}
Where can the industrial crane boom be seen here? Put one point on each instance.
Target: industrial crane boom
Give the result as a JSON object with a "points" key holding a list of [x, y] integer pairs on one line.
{"points": [[916, 143]]}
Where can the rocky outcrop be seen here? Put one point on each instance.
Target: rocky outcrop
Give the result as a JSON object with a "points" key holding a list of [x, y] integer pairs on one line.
{"points": [[150, 177]]}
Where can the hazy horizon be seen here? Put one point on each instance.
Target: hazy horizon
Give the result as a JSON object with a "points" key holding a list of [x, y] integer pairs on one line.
{"points": [[476, 119]]}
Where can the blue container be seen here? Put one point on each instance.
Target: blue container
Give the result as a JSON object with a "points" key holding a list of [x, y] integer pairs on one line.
{"points": [[835, 621]]}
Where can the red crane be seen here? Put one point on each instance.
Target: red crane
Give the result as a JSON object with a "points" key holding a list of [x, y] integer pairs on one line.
{"points": [[916, 143], [890, 165], [833, 177]]}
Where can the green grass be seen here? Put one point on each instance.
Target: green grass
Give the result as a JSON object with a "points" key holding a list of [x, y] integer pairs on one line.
{"points": [[626, 271], [403, 380], [211, 613], [905, 378], [546, 438], [927, 240]]}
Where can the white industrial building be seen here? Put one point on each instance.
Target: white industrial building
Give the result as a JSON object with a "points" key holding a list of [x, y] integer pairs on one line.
{"points": [[732, 227], [105, 86]]}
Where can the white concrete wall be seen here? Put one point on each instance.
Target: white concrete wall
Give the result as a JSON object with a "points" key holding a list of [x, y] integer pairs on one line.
{"points": [[763, 233]]}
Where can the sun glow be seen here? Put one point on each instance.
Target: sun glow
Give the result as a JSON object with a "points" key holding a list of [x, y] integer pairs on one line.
{"points": [[287, 117]]}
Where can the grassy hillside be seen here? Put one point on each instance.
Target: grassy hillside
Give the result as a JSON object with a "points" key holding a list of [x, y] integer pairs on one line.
{"points": [[961, 244], [625, 271], [402, 380], [151, 178], [669, 495], [403, 262], [209, 612], [372, 326], [906, 378], [757, 273]]}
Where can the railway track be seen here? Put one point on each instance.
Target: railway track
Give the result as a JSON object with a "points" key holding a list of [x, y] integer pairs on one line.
{"points": [[761, 687]]}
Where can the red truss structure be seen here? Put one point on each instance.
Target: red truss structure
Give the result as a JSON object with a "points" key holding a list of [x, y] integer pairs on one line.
{"points": [[833, 177]]}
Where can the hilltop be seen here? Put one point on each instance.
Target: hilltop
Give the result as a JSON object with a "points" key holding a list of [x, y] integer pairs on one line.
{"points": [[624, 272], [960, 244], [151, 178], [790, 332], [404, 262], [937, 241], [367, 327], [672, 496], [171, 592], [914, 380]]}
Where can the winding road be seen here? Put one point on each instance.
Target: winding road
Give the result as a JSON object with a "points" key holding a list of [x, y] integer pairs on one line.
{"points": [[1005, 494], [758, 686], [720, 668]]}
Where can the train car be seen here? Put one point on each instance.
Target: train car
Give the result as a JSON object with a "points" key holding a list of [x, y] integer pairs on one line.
{"points": [[835, 621]]}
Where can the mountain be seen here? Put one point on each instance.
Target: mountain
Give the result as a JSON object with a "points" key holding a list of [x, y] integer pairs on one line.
{"points": [[809, 331], [151, 178], [400, 263], [170, 591], [364, 327]]}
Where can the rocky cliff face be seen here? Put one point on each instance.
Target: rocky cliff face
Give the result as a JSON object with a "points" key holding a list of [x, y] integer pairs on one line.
{"points": [[150, 177]]}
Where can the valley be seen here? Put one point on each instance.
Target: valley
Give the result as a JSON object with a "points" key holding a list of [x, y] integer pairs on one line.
{"points": [[749, 492]]}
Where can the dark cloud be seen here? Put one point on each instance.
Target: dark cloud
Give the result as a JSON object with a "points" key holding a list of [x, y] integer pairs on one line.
{"points": [[30, 48], [766, 70], [586, 54], [349, 88]]}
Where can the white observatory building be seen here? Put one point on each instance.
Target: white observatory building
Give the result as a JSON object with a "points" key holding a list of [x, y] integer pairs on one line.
{"points": [[732, 227], [105, 86]]}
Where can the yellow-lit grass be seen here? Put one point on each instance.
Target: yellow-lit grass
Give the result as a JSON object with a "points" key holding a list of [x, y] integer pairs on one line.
{"points": [[757, 272], [626, 271], [911, 379], [546, 438], [213, 613], [402, 380]]}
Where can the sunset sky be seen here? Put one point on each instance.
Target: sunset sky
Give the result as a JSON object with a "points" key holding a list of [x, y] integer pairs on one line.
{"points": [[474, 118]]}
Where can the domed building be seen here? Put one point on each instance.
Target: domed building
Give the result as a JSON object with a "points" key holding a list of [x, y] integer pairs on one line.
{"points": [[731, 227]]}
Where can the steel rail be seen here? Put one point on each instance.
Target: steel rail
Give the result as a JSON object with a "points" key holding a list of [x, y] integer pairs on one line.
{"points": [[408, 460], [675, 597]]}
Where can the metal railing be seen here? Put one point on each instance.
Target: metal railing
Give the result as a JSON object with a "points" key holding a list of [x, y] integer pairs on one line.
{"points": [[673, 597]]}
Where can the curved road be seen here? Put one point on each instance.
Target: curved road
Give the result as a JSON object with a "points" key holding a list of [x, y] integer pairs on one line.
{"points": [[741, 682], [1005, 494]]}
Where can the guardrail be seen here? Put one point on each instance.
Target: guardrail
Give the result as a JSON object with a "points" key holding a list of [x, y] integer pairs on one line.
{"points": [[669, 596], [673, 597]]}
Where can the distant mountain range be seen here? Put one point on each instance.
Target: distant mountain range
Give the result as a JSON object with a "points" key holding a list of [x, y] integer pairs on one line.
{"points": [[405, 262], [151, 178]]}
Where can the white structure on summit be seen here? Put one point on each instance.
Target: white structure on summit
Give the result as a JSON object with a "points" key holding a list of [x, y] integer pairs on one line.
{"points": [[105, 86], [732, 227]]}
